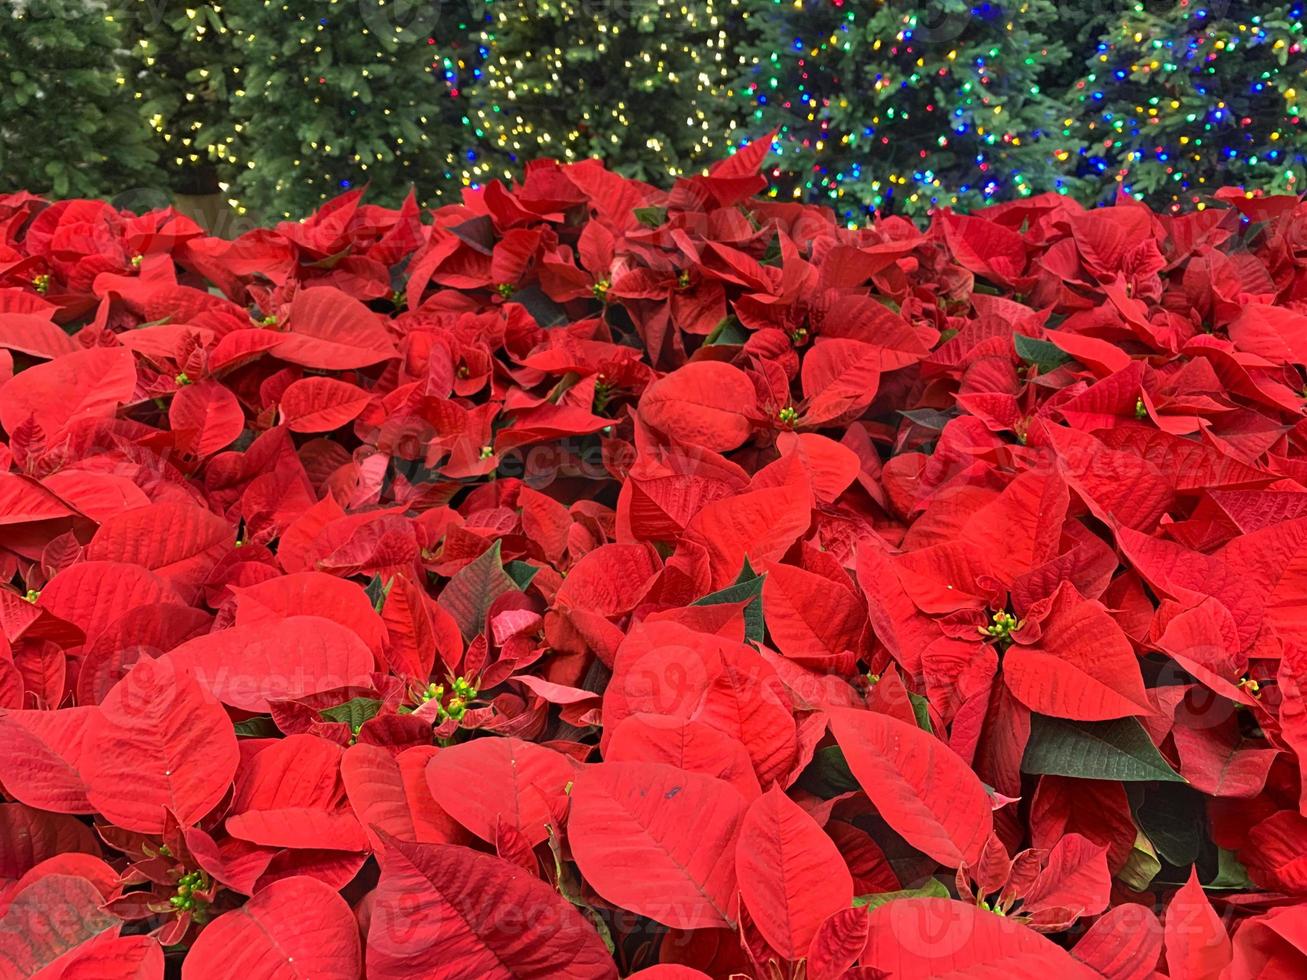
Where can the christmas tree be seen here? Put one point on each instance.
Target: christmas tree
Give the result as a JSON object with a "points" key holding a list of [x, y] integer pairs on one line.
{"points": [[1182, 98], [342, 93], [641, 84], [907, 108], [184, 67], [70, 127]]}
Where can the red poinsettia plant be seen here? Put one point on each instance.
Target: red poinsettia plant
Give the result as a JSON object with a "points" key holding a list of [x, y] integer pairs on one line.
{"points": [[591, 580]]}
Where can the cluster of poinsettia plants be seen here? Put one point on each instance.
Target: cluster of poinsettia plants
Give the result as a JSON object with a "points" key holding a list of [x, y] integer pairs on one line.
{"points": [[593, 580]]}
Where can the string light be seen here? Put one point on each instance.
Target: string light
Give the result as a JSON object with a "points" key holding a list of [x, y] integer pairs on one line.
{"points": [[367, 92], [640, 84], [878, 106], [1205, 95], [187, 64], [885, 109]]}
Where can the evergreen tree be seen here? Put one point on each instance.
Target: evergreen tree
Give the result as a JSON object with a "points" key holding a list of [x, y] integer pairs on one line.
{"points": [[1181, 98], [906, 107], [69, 127], [642, 84], [339, 93], [184, 64]]}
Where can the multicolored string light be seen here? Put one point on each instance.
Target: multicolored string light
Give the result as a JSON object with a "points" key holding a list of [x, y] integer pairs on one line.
{"points": [[1220, 92], [876, 109]]}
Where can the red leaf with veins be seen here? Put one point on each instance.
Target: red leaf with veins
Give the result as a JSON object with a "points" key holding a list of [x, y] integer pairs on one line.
{"points": [[658, 841], [159, 744], [297, 926], [917, 783], [791, 874], [447, 912]]}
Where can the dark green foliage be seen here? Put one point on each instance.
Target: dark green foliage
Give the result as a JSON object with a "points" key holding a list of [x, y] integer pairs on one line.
{"points": [[338, 94], [909, 107], [1180, 99], [184, 68], [640, 83], [70, 126]]}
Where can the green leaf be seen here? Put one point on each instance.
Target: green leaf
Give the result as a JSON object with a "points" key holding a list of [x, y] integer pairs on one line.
{"points": [[474, 588], [521, 573], [566, 382], [651, 217], [1174, 816], [353, 712], [932, 889], [569, 887], [543, 310], [260, 726], [921, 708], [828, 774], [1230, 873], [747, 586], [1117, 750], [1141, 867], [1040, 353], [377, 591], [727, 333]]}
